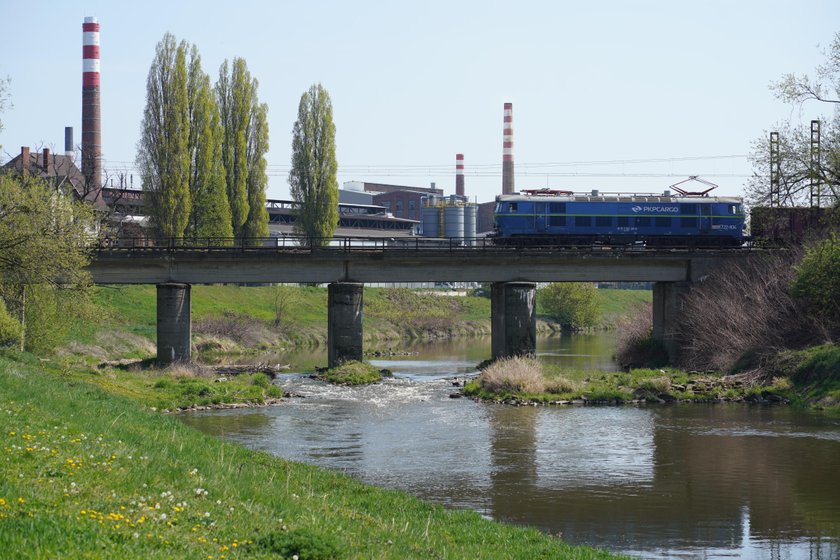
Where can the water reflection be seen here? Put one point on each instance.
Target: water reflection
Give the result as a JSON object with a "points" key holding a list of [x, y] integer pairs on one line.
{"points": [[690, 481]]}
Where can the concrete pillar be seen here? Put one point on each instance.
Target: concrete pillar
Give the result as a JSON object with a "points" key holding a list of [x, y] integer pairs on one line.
{"points": [[667, 306], [344, 322], [174, 327], [514, 319]]}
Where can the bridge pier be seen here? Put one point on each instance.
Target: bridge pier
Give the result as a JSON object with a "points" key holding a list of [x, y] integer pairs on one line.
{"points": [[344, 322], [667, 306], [174, 328], [513, 319]]}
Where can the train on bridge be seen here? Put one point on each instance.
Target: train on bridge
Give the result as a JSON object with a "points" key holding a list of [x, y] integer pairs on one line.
{"points": [[565, 218]]}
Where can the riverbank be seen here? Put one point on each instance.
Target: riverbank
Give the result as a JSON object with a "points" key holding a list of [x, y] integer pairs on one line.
{"points": [[808, 379], [243, 319], [88, 470]]}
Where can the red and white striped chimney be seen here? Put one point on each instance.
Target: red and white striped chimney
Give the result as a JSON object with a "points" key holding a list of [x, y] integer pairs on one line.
{"points": [[459, 174], [91, 126], [507, 151]]}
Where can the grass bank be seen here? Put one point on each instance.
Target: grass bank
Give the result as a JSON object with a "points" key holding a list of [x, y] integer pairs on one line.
{"points": [[87, 473], [241, 319]]}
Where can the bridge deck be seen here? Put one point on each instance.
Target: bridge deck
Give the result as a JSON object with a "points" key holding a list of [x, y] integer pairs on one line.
{"points": [[385, 261]]}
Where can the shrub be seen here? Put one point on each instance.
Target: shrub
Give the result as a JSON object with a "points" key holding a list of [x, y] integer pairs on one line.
{"points": [[636, 345], [572, 304], [816, 283], [9, 327], [305, 544], [742, 308], [513, 375]]}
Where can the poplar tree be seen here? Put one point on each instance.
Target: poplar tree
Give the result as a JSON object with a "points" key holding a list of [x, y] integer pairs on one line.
{"points": [[162, 157], [312, 177], [210, 215], [256, 225], [233, 91]]}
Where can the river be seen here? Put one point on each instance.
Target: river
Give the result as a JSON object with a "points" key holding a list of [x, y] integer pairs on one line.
{"points": [[679, 481]]}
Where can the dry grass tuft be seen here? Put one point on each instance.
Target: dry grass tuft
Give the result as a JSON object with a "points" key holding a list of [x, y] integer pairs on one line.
{"points": [[514, 375]]}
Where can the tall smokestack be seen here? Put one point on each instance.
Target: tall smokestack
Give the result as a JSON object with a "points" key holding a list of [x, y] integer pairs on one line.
{"points": [[459, 174], [91, 131], [507, 151], [69, 150]]}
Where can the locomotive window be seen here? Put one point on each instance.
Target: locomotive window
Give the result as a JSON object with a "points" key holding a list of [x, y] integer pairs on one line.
{"points": [[733, 209], [689, 209], [557, 221], [603, 221], [623, 221], [688, 222], [557, 207], [643, 221], [583, 221], [663, 221], [513, 206]]}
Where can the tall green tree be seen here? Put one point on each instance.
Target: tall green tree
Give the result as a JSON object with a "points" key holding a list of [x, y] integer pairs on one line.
{"points": [[163, 157], [44, 233], [797, 173], [256, 225], [210, 212], [233, 91], [572, 304], [312, 178]]}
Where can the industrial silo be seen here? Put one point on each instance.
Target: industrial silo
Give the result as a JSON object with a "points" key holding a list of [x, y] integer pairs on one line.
{"points": [[470, 218], [431, 221], [453, 221]]}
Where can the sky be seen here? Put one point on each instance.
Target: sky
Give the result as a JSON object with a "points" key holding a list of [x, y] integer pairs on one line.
{"points": [[620, 96]]}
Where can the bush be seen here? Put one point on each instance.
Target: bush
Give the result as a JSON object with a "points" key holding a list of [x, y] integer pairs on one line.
{"points": [[816, 283], [743, 308], [636, 345], [9, 328], [572, 304], [513, 375], [304, 544]]}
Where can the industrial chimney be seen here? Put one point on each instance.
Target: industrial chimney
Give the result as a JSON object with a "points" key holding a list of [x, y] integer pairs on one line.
{"points": [[507, 151], [459, 174], [91, 131]]}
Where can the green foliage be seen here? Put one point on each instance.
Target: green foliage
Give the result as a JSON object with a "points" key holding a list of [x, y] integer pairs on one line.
{"points": [[642, 351], [256, 225], [210, 212], [572, 304], [43, 238], [817, 281], [162, 156], [234, 91], [9, 327], [352, 373], [303, 544], [312, 179]]}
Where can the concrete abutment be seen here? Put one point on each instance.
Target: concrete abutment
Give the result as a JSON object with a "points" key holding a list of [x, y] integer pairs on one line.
{"points": [[174, 325]]}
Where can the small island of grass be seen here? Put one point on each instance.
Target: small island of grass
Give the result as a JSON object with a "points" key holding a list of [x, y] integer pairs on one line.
{"points": [[524, 380], [352, 373]]}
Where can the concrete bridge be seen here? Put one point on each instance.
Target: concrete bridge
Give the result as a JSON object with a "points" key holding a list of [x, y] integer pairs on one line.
{"points": [[350, 263]]}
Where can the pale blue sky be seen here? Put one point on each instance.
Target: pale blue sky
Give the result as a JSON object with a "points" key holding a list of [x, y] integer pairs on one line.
{"points": [[414, 83]]}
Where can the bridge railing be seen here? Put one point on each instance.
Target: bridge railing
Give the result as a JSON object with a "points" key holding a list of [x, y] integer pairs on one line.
{"points": [[291, 243]]}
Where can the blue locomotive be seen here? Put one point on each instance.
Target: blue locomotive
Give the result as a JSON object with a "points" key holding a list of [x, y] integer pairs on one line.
{"points": [[566, 218]]}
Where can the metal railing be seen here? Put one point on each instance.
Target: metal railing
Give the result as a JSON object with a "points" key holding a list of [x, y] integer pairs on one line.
{"points": [[302, 244]]}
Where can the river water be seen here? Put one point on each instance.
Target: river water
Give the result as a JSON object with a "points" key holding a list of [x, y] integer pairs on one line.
{"points": [[683, 481]]}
